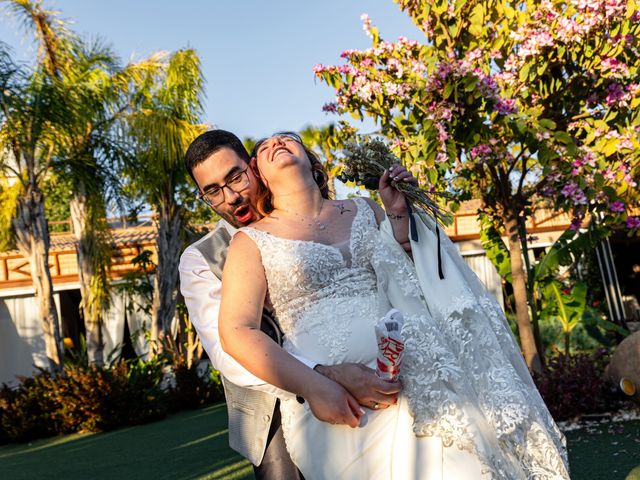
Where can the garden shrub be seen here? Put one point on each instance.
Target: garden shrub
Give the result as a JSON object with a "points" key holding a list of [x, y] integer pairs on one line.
{"points": [[25, 413], [575, 385], [194, 388], [95, 399], [87, 398]]}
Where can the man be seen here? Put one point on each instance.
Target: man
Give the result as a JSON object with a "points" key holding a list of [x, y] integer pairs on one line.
{"points": [[220, 166]]}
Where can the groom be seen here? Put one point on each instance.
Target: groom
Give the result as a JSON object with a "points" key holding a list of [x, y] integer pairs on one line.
{"points": [[220, 166]]}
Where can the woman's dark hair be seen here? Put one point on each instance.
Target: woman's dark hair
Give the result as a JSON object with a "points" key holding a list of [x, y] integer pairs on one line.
{"points": [[264, 196]]}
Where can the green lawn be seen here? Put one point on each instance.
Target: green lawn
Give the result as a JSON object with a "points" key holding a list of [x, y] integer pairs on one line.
{"points": [[193, 445], [188, 445]]}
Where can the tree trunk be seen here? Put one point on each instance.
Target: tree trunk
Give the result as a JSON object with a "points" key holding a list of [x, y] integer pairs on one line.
{"points": [[32, 239], [165, 281], [80, 219], [527, 338]]}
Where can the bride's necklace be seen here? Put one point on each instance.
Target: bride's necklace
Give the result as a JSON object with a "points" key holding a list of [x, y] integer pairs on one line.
{"points": [[314, 221]]}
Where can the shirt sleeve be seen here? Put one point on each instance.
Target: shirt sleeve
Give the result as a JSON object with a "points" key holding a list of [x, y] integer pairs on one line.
{"points": [[201, 290]]}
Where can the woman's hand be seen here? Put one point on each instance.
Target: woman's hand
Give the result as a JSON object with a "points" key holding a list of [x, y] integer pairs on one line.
{"points": [[393, 200], [331, 403], [363, 383]]}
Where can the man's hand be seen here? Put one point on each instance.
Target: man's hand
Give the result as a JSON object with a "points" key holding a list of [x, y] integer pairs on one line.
{"points": [[331, 403], [362, 382]]}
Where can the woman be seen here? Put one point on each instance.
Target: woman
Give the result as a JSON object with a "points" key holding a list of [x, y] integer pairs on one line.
{"points": [[330, 275]]}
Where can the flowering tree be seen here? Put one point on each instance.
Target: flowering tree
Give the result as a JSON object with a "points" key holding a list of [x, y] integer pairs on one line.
{"points": [[512, 102]]}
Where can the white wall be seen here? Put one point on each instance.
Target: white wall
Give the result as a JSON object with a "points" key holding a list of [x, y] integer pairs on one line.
{"points": [[487, 273], [22, 347]]}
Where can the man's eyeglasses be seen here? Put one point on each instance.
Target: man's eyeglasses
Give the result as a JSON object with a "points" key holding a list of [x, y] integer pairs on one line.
{"points": [[214, 196]]}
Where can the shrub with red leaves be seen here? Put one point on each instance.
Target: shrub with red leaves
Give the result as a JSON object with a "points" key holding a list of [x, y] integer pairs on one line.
{"points": [[575, 385]]}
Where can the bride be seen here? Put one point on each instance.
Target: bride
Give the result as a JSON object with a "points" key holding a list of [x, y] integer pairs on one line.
{"points": [[330, 269]]}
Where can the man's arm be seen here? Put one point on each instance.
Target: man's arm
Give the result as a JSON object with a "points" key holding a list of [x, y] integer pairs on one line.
{"points": [[202, 294], [201, 290]]}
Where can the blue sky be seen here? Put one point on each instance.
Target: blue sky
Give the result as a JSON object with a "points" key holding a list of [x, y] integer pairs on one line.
{"points": [[256, 55]]}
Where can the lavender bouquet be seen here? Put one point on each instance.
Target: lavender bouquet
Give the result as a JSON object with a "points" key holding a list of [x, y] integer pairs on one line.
{"points": [[364, 164]]}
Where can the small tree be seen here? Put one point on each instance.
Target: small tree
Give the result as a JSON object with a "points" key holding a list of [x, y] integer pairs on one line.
{"points": [[512, 103]]}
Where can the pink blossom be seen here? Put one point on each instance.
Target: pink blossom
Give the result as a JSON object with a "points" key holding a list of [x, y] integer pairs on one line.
{"points": [[534, 42], [318, 69], [427, 27], [573, 192], [474, 55], [554, 177], [505, 77], [441, 157], [511, 63], [542, 135], [480, 151], [348, 53], [404, 41], [330, 107], [633, 223], [567, 30], [394, 64], [446, 114], [548, 191], [626, 143], [609, 174], [629, 180], [589, 159], [616, 96], [443, 136], [505, 106], [614, 66], [576, 223], [617, 207], [488, 86], [366, 24]]}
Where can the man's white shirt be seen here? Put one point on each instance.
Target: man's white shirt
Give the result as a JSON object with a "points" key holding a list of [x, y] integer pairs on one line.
{"points": [[202, 292]]}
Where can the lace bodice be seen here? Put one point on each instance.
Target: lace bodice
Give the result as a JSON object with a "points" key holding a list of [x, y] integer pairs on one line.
{"points": [[301, 273]]}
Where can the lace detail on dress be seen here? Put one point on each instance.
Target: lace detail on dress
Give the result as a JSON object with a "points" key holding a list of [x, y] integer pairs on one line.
{"points": [[460, 378], [303, 275], [460, 372]]}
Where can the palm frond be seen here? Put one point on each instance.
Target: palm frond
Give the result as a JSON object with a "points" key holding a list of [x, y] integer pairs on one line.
{"points": [[50, 31]]}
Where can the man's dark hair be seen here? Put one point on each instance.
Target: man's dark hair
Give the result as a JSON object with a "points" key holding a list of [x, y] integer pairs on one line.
{"points": [[209, 143]]}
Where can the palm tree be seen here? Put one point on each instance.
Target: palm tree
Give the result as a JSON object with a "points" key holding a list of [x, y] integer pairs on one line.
{"points": [[162, 125], [83, 75], [89, 147], [32, 111]]}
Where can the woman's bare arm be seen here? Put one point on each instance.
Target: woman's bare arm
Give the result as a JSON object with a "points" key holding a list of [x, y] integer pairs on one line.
{"points": [[244, 287], [395, 204]]}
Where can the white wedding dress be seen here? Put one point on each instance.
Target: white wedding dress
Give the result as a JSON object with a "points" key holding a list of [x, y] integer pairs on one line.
{"points": [[468, 409]]}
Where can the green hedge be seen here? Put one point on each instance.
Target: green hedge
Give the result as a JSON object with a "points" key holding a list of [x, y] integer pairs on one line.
{"points": [[91, 399]]}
